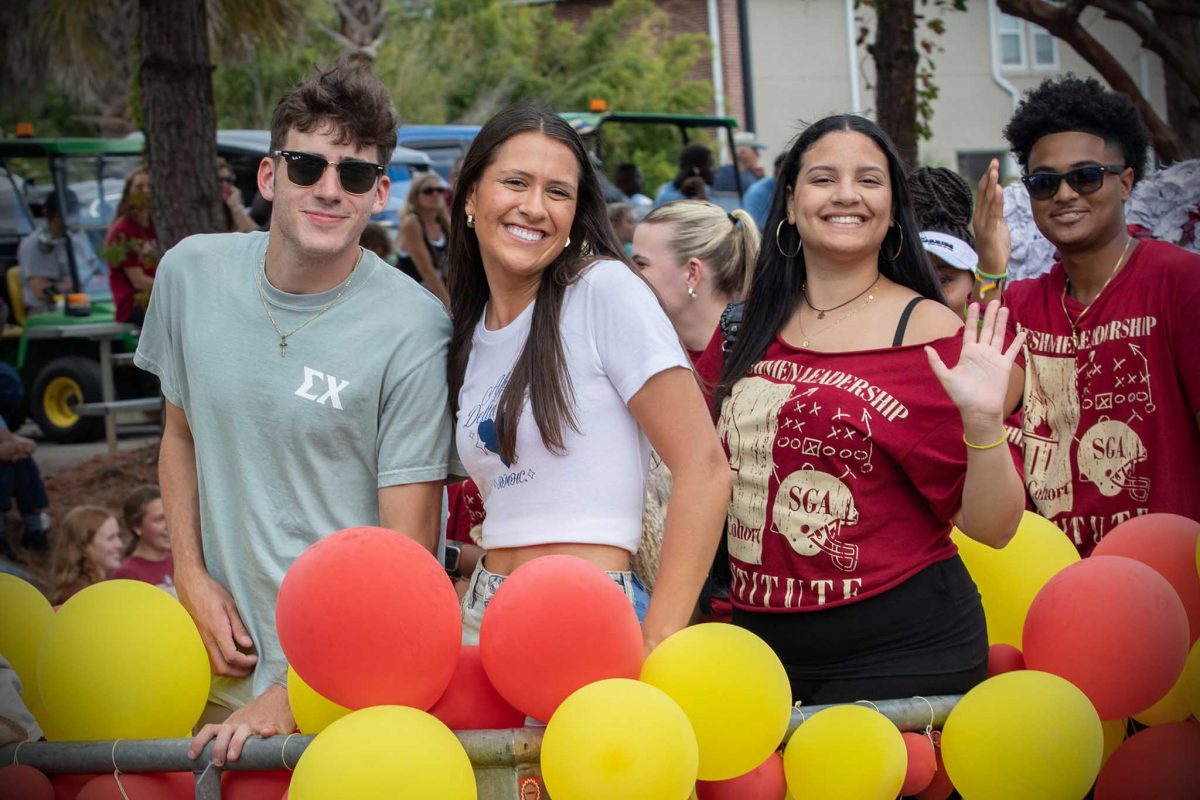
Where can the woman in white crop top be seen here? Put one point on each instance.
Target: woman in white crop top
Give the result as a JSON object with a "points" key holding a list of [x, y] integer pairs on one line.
{"points": [[563, 371]]}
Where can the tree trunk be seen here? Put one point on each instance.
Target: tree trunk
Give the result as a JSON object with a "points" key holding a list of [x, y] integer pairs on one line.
{"points": [[1183, 106], [895, 54], [111, 24], [180, 119]]}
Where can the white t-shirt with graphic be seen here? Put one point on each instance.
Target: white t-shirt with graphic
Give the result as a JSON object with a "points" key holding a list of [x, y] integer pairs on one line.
{"points": [[615, 337]]}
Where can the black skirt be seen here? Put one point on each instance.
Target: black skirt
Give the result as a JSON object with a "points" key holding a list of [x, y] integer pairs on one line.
{"points": [[924, 637]]}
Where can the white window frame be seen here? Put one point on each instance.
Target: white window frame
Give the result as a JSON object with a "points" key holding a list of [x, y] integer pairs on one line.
{"points": [[1036, 31], [1022, 45]]}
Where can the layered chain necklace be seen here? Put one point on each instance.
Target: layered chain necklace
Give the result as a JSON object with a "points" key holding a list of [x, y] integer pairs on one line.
{"points": [[807, 339], [1074, 323], [283, 337], [821, 312]]}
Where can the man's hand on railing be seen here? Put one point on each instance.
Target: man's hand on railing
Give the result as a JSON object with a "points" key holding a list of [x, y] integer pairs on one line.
{"points": [[267, 715]]}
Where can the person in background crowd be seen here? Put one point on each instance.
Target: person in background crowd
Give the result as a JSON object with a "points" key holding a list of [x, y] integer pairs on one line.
{"points": [[699, 259], [20, 479], [746, 153], [1111, 412], [376, 239], [757, 199], [855, 448], [237, 219], [42, 255], [620, 215], [148, 556], [325, 407], [563, 371], [424, 231], [942, 202], [87, 549], [132, 250], [628, 178], [695, 161]]}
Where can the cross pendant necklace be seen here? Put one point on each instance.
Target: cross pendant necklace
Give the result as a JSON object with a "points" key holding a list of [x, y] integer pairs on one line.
{"points": [[283, 337], [283, 346]]}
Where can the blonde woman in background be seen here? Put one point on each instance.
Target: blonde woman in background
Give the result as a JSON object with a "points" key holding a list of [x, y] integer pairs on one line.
{"points": [[424, 232], [699, 259]]}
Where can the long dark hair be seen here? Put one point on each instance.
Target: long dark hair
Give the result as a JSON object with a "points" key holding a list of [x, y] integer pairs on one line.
{"points": [[777, 283], [541, 371]]}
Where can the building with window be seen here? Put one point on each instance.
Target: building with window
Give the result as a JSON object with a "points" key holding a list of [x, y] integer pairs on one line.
{"points": [[785, 62]]}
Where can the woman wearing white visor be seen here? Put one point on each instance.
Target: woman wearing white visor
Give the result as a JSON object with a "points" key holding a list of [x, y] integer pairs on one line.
{"points": [[942, 202]]}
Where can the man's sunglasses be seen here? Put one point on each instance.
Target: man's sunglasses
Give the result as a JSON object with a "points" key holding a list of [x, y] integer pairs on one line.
{"points": [[1085, 180], [305, 169]]}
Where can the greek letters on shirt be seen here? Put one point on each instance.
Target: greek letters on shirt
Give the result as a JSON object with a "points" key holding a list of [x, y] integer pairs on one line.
{"points": [[1107, 380], [321, 388], [831, 447]]}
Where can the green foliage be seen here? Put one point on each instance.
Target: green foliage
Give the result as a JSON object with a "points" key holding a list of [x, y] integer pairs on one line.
{"points": [[463, 60], [55, 114]]}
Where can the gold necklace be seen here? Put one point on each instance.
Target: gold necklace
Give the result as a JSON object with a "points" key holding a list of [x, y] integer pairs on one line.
{"points": [[821, 312], [1067, 285], [283, 337], [807, 339]]}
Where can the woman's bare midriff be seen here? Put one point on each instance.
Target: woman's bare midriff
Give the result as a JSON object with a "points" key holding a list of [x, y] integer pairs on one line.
{"points": [[503, 561]]}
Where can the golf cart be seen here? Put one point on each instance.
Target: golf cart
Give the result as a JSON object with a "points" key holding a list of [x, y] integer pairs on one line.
{"points": [[591, 124], [66, 355]]}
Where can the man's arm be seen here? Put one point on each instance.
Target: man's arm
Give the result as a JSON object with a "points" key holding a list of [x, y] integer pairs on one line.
{"points": [[413, 509], [210, 604]]}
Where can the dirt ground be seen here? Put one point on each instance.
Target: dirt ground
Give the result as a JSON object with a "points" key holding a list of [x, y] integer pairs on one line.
{"points": [[102, 480]]}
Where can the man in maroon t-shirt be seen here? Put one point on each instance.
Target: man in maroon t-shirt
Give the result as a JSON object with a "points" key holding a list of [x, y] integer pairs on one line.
{"points": [[1111, 414]]}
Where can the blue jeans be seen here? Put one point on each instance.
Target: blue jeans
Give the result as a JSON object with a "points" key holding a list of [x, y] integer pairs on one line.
{"points": [[483, 586]]}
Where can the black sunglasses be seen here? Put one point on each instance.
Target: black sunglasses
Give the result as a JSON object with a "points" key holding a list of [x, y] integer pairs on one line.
{"points": [[305, 169], [1085, 180], [227, 179], [431, 190]]}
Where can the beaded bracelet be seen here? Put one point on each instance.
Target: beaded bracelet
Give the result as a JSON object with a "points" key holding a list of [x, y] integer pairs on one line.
{"points": [[1003, 438]]}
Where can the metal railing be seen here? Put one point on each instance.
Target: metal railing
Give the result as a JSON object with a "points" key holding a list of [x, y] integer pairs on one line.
{"points": [[506, 762]]}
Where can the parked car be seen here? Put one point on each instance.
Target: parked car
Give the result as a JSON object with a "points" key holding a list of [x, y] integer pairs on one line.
{"points": [[245, 148], [444, 144]]}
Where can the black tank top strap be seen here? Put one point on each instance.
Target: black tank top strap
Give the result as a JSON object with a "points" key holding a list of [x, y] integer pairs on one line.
{"points": [[898, 339]]}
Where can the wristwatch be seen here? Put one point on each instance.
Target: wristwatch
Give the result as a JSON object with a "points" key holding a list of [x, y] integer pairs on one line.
{"points": [[452, 559]]}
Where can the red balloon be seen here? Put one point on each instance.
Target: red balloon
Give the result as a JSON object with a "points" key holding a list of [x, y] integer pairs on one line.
{"points": [[1113, 627], [254, 785], [26, 783], [1004, 658], [556, 624], [1161, 762], [1166, 542], [68, 786], [922, 763], [940, 787], [368, 617], [764, 782], [471, 703], [140, 786]]}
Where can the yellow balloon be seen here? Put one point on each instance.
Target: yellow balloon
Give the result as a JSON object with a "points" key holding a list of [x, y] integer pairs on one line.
{"points": [[1114, 734], [1024, 734], [733, 689], [1173, 707], [26, 614], [848, 752], [1009, 578], [122, 660], [619, 738], [384, 751], [313, 712], [1191, 681]]}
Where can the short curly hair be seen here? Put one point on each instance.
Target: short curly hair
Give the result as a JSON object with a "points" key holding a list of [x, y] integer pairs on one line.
{"points": [[1070, 103]]}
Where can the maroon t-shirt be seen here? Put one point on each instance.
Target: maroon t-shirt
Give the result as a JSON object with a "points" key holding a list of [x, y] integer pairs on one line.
{"points": [[140, 249], [136, 568], [1109, 417], [848, 469]]}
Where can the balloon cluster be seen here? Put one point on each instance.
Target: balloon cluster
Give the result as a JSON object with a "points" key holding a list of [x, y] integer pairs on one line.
{"points": [[1078, 647]]}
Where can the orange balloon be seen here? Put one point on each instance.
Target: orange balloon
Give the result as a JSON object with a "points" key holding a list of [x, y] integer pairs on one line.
{"points": [[1004, 658], [1167, 543], [764, 782], [922, 763], [26, 783], [471, 702], [1162, 762], [940, 787]]}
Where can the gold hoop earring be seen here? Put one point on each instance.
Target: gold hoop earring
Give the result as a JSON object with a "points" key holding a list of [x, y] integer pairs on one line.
{"points": [[899, 247], [779, 247], [470, 220]]}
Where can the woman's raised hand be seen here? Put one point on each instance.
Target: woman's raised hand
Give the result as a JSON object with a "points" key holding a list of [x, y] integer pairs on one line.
{"points": [[978, 383]]}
